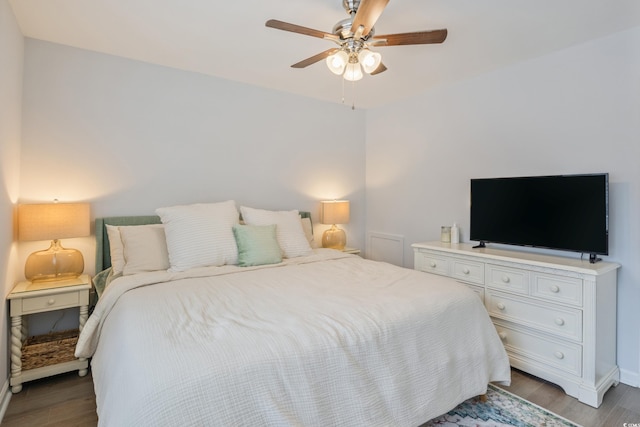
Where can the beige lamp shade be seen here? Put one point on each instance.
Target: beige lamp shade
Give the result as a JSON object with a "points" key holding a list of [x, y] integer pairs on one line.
{"points": [[53, 221], [334, 212]]}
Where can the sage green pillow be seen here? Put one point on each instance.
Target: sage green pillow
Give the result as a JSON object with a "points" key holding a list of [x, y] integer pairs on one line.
{"points": [[257, 245]]}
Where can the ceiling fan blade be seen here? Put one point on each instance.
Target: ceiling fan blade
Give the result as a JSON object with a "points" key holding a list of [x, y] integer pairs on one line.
{"points": [[368, 13], [381, 68], [314, 58], [285, 26], [419, 37]]}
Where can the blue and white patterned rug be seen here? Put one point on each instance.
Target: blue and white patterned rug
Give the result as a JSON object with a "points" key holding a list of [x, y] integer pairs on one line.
{"points": [[501, 409]]}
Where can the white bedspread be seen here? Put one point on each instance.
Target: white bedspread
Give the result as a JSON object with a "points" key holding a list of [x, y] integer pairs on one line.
{"points": [[325, 340]]}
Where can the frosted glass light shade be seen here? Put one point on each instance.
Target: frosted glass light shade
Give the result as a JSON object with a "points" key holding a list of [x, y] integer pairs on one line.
{"points": [[369, 60], [53, 221], [353, 72], [337, 62]]}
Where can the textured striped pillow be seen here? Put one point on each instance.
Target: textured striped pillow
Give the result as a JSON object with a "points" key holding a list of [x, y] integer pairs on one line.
{"points": [[289, 232], [200, 235]]}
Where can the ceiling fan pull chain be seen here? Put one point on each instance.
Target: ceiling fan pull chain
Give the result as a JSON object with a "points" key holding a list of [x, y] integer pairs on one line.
{"points": [[353, 92], [342, 90]]}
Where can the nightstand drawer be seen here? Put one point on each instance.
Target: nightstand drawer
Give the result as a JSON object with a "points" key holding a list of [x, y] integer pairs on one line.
{"points": [[507, 279], [566, 290], [50, 302], [565, 322], [468, 271]]}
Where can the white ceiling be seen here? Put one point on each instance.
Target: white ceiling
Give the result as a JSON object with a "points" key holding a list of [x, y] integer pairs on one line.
{"points": [[229, 39]]}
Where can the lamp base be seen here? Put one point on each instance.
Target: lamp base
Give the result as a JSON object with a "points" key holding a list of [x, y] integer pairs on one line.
{"points": [[55, 263], [334, 238]]}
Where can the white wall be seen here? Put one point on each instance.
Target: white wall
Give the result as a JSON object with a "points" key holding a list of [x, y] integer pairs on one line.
{"points": [[130, 137], [11, 52], [574, 111]]}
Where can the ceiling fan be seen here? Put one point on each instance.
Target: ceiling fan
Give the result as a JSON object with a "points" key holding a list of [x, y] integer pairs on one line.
{"points": [[354, 37]]}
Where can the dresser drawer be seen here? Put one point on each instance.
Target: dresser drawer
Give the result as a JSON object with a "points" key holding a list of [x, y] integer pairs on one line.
{"points": [[508, 279], [565, 357], [468, 271], [567, 290], [49, 302], [432, 264], [560, 321]]}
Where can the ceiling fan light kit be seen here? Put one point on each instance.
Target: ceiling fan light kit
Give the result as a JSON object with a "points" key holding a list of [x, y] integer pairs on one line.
{"points": [[354, 36]]}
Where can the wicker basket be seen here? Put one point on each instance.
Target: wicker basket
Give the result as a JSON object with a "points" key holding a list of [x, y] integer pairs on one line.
{"points": [[49, 349]]}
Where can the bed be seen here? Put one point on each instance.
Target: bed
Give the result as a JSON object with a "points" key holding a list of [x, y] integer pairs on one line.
{"points": [[316, 338]]}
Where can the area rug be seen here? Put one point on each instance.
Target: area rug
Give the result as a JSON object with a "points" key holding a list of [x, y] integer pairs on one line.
{"points": [[501, 409]]}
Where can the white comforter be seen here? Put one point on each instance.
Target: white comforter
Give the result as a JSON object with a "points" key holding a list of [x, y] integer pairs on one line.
{"points": [[324, 340]]}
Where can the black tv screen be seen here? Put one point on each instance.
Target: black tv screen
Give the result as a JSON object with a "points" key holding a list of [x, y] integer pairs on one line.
{"points": [[565, 212]]}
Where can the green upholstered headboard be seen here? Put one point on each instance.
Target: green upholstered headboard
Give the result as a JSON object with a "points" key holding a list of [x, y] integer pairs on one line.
{"points": [[103, 253]]}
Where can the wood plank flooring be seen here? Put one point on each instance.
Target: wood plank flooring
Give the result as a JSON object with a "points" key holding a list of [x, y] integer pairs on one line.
{"points": [[68, 400], [62, 400], [621, 404]]}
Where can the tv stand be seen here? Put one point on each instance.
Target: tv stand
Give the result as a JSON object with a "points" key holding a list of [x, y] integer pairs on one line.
{"points": [[556, 316], [593, 258], [479, 245]]}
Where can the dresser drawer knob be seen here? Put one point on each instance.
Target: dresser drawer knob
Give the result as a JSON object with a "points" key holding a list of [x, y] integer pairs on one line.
{"points": [[502, 335], [559, 354], [501, 306], [554, 288], [432, 264], [559, 321], [506, 279], [465, 270], [51, 301]]}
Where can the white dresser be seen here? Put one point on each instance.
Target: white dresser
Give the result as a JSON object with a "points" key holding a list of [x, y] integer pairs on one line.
{"points": [[556, 316]]}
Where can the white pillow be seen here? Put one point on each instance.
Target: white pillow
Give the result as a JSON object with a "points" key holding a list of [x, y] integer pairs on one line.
{"points": [[200, 235], [144, 247], [289, 232], [116, 249], [308, 230]]}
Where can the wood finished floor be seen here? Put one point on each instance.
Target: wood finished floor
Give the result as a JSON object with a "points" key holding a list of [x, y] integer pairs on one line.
{"points": [[68, 400]]}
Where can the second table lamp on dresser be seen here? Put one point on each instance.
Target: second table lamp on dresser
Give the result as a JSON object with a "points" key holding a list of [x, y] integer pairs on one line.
{"points": [[53, 221], [334, 212]]}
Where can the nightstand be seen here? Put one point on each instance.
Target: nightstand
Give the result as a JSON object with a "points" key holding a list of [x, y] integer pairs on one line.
{"points": [[50, 354], [354, 251]]}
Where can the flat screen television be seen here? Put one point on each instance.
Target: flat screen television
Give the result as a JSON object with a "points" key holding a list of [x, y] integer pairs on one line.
{"points": [[563, 212]]}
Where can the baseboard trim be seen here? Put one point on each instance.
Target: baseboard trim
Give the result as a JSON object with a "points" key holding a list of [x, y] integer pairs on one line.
{"points": [[629, 378], [5, 394]]}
